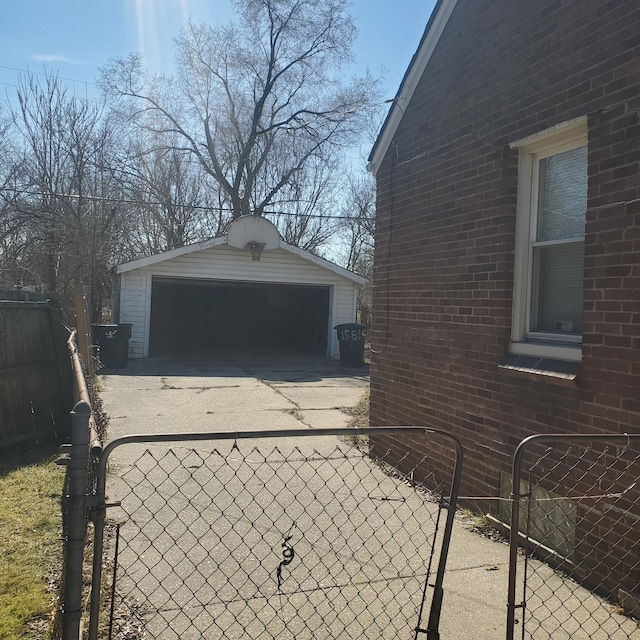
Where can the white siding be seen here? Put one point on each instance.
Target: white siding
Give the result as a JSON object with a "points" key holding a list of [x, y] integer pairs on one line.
{"points": [[134, 293], [227, 263]]}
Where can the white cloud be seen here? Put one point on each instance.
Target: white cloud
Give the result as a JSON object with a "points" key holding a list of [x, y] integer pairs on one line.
{"points": [[50, 57]]}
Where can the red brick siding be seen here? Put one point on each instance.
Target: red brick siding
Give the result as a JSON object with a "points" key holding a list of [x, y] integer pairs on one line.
{"points": [[445, 234]]}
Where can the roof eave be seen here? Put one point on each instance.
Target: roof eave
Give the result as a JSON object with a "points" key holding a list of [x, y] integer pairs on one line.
{"points": [[325, 264], [437, 22], [168, 255], [215, 242]]}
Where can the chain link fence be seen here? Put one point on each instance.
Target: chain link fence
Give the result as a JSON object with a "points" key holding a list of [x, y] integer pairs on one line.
{"points": [[274, 535], [575, 523]]}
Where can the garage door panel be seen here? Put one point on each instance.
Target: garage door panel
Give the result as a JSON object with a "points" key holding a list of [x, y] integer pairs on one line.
{"points": [[191, 318]]}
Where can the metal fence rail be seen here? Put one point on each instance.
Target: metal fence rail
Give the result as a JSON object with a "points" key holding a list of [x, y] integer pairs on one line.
{"points": [[287, 534], [575, 505], [79, 459]]}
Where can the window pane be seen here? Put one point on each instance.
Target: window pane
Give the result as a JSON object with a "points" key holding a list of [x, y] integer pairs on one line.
{"points": [[558, 288], [563, 195]]}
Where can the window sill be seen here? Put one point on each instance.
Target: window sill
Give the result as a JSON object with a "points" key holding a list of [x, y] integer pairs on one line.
{"points": [[551, 350], [539, 369]]}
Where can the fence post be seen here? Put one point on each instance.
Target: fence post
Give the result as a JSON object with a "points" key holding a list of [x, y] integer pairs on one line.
{"points": [[513, 540], [433, 628], [77, 469]]}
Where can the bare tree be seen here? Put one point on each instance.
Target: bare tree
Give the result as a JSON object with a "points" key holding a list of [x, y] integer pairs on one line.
{"points": [[61, 222], [170, 202], [359, 210], [305, 210], [257, 101], [11, 230], [357, 232]]}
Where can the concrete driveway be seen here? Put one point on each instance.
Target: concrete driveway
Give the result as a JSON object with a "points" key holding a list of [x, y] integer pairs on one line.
{"points": [[194, 396], [309, 488], [171, 396], [155, 396]]}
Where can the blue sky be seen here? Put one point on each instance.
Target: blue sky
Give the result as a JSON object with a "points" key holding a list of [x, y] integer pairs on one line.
{"points": [[75, 37]]}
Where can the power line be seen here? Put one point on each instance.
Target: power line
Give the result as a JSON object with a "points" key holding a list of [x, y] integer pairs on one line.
{"points": [[88, 82], [36, 73], [292, 214], [77, 91]]}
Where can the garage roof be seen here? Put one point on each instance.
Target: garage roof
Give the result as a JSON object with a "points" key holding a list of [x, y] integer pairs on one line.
{"points": [[223, 241]]}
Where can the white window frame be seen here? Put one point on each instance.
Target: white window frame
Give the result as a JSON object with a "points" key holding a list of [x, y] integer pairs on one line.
{"points": [[562, 137]]}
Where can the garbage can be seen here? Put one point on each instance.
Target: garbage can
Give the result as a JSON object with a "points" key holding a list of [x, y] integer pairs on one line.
{"points": [[351, 337], [113, 340]]}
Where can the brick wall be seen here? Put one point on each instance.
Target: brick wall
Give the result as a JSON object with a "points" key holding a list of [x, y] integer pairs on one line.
{"points": [[445, 229]]}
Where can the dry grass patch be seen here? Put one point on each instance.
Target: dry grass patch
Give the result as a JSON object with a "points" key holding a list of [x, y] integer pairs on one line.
{"points": [[30, 548], [360, 413], [359, 420]]}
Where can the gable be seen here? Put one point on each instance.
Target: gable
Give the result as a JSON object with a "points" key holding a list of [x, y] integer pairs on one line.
{"points": [[243, 232], [223, 262], [437, 22]]}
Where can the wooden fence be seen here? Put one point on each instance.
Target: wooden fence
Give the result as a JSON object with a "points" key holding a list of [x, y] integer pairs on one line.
{"points": [[35, 372]]}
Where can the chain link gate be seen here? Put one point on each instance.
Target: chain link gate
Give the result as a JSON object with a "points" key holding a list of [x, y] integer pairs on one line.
{"points": [[274, 534], [574, 552]]}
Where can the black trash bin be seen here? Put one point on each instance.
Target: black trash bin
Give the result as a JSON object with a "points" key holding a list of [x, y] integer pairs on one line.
{"points": [[113, 340], [351, 337]]}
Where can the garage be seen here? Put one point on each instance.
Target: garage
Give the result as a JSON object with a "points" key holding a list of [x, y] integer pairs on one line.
{"points": [[247, 293], [195, 317]]}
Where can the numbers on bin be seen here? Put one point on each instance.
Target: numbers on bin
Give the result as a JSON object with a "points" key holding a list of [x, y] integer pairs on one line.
{"points": [[352, 335]]}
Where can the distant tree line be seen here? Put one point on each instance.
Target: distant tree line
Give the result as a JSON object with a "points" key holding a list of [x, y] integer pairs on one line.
{"points": [[255, 120]]}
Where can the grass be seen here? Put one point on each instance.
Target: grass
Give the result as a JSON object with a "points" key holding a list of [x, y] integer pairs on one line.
{"points": [[476, 521], [30, 548], [360, 413], [359, 420]]}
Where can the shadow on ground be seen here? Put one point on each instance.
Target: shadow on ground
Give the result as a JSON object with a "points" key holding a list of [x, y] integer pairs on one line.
{"points": [[267, 369], [24, 454]]}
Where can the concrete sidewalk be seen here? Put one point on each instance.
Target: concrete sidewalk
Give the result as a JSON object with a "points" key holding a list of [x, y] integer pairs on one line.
{"points": [[154, 396]]}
